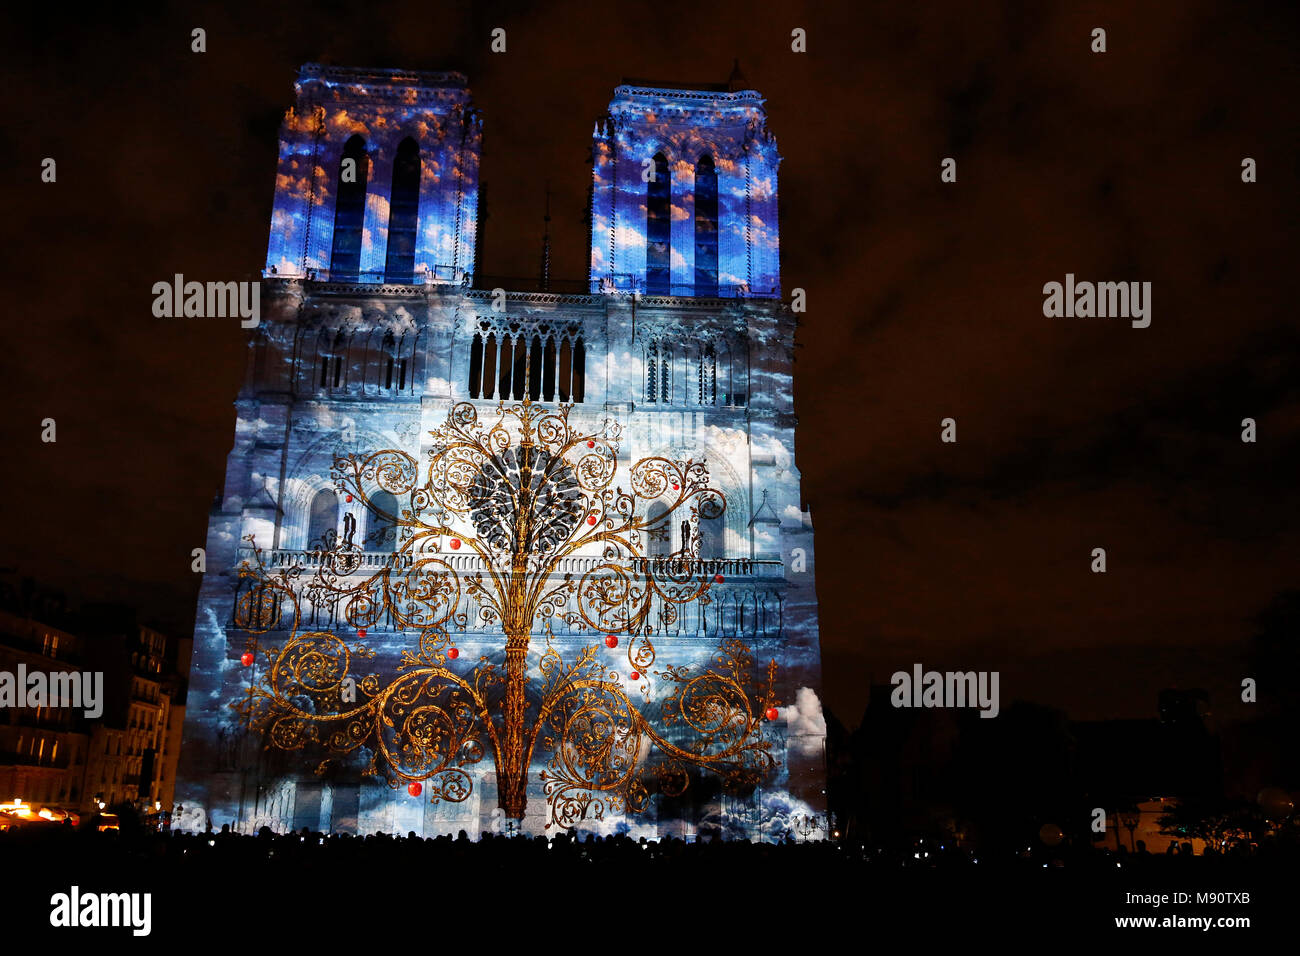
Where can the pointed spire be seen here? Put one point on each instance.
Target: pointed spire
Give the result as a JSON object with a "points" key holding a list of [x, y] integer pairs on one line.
{"points": [[546, 242], [737, 81]]}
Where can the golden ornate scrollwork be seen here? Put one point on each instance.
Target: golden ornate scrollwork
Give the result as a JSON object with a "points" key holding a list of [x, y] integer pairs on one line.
{"points": [[520, 494]]}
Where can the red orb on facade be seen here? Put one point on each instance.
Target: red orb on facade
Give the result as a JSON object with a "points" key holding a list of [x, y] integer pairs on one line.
{"points": [[591, 519], [718, 579], [676, 486], [636, 675], [414, 788], [247, 659], [591, 444], [773, 713], [361, 632], [611, 640], [455, 544], [349, 499], [453, 653]]}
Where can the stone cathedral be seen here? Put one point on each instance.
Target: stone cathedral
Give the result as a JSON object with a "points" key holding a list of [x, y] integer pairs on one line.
{"points": [[512, 559]]}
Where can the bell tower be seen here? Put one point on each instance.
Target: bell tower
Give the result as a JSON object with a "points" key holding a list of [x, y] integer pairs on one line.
{"points": [[378, 178], [684, 193]]}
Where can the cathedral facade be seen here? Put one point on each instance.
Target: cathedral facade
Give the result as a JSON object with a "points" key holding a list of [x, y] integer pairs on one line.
{"points": [[501, 559]]}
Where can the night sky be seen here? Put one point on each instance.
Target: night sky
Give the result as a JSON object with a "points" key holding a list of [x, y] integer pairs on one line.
{"points": [[925, 299]]}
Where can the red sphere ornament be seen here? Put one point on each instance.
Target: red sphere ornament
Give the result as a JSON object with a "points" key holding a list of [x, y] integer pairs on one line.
{"points": [[635, 675], [591, 444], [773, 713], [591, 519], [611, 640], [361, 632], [676, 486], [247, 659], [414, 788], [455, 544], [349, 499], [453, 653], [718, 579]]}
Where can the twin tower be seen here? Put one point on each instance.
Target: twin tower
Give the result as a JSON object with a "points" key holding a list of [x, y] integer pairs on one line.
{"points": [[375, 327]]}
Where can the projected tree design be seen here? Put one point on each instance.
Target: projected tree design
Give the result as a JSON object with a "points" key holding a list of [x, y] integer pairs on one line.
{"points": [[516, 498]]}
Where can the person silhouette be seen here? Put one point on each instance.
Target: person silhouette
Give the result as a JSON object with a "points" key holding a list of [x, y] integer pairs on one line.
{"points": [[349, 529]]}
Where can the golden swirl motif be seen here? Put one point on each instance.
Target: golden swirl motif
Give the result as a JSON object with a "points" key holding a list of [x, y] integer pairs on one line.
{"points": [[435, 716]]}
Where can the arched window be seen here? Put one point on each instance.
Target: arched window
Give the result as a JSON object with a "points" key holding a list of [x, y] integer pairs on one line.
{"points": [[323, 523], [708, 377], [658, 229], [579, 371], [403, 213], [389, 359], [652, 373], [476, 366], [537, 365], [706, 227], [535, 368], [490, 366], [665, 375], [548, 373], [520, 364], [349, 211], [506, 350], [381, 533], [325, 357], [566, 369], [340, 349]]}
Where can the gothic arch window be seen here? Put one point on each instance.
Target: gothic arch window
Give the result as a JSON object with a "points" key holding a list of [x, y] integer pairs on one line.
{"points": [[506, 355], [389, 359], [548, 371], [325, 356], [707, 376], [535, 364], [520, 364], [658, 376], [349, 211], [476, 366], [489, 366], [706, 227], [392, 371], [658, 229], [381, 523], [652, 373], [323, 521], [579, 371], [403, 213], [566, 369], [665, 375], [535, 368], [336, 369]]}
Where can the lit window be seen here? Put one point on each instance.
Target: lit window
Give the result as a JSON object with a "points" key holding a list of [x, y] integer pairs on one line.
{"points": [[658, 255], [349, 211], [403, 212]]}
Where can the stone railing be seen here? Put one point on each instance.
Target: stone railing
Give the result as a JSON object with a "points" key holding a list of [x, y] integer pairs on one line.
{"points": [[371, 561]]}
